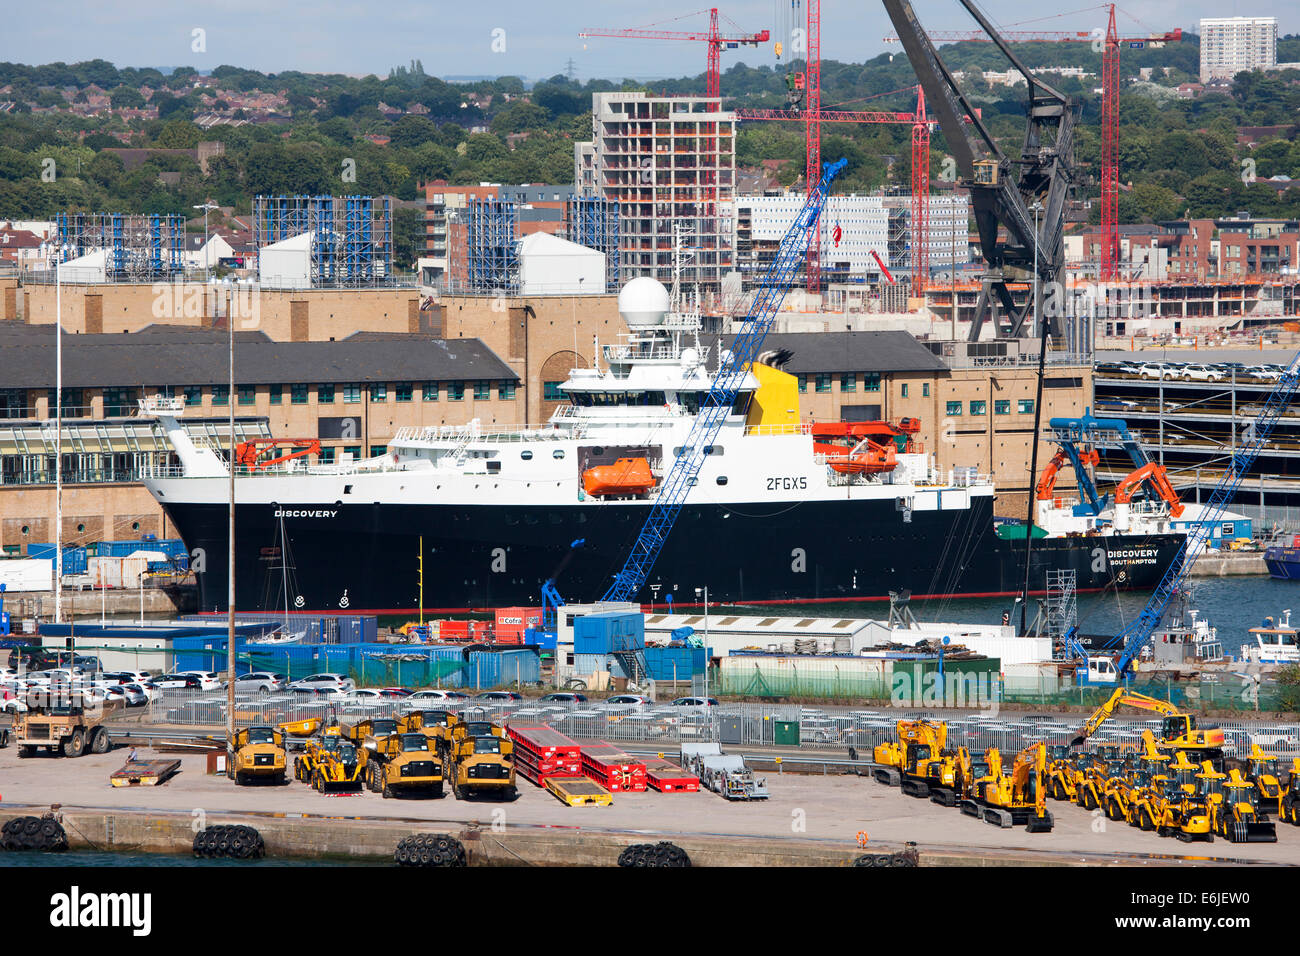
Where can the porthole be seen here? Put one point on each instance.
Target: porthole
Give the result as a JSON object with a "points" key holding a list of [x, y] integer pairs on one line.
{"points": [[558, 453], [526, 455], [135, 526], [81, 528], [26, 530], [722, 479]]}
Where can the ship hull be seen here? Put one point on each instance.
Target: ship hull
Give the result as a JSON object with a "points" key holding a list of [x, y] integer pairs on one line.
{"points": [[367, 558]]}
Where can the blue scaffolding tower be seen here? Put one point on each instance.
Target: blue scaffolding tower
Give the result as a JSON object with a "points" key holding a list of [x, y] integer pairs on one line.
{"points": [[352, 236], [137, 247], [594, 223], [492, 246]]}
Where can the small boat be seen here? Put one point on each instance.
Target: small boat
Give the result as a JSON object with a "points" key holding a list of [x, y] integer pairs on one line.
{"points": [[279, 637], [627, 476], [1275, 642], [1283, 560]]}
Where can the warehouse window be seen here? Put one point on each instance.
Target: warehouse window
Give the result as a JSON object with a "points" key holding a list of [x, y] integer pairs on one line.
{"points": [[551, 391], [430, 392], [1002, 406], [925, 389], [482, 391], [848, 382], [506, 390], [325, 394], [871, 381], [455, 391], [378, 392], [275, 393], [952, 408], [403, 392], [193, 395], [220, 394], [351, 394], [902, 390], [1025, 406], [353, 450], [118, 402], [979, 407], [298, 394], [377, 450], [803, 384], [247, 394], [326, 456], [823, 382]]}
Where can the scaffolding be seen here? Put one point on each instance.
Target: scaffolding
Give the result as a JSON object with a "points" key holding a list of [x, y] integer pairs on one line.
{"points": [[492, 246], [139, 247], [1061, 607], [351, 236], [593, 222]]}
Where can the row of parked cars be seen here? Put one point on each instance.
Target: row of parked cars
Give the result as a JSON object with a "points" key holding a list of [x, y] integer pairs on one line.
{"points": [[128, 688], [1191, 371]]}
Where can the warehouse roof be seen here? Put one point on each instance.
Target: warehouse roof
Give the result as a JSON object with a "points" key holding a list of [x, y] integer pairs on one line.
{"points": [[888, 351], [169, 355]]}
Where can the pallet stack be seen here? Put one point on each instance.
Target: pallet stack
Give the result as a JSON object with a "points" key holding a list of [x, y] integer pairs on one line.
{"points": [[541, 753], [613, 769]]}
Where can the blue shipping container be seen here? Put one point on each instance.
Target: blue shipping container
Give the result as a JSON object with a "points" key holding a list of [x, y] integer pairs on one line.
{"points": [[611, 631]]}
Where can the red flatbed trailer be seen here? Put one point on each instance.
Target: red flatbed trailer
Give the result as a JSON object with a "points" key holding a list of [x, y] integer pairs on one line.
{"points": [[543, 742], [612, 768], [667, 777]]}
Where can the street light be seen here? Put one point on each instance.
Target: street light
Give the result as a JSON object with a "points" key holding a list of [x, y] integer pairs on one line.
{"points": [[705, 591], [207, 253]]}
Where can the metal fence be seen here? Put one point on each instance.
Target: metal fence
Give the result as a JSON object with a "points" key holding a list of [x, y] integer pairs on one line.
{"points": [[732, 724]]}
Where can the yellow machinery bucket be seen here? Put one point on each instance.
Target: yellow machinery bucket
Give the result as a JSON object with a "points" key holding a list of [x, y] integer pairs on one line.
{"points": [[1252, 831]]}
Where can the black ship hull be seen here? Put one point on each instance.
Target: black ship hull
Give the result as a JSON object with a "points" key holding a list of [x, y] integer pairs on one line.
{"points": [[367, 558]]}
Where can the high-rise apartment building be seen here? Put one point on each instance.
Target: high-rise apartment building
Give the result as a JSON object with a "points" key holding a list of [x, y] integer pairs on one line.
{"points": [[1230, 45], [666, 160]]}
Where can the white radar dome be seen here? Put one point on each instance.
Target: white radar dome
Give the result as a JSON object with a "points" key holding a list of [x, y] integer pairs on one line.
{"points": [[642, 302]]}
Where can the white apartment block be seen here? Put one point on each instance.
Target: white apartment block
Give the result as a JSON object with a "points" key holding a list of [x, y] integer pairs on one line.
{"points": [[1230, 45], [864, 224], [666, 160]]}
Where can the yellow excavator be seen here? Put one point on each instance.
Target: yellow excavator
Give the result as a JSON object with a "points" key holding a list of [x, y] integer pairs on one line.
{"points": [[1234, 806], [1016, 798], [1262, 772], [1178, 730], [903, 762], [1290, 806]]}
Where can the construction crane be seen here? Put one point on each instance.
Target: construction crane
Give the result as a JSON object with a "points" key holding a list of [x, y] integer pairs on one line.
{"points": [[1133, 638], [733, 366], [920, 123], [1019, 201], [1110, 44], [715, 39]]}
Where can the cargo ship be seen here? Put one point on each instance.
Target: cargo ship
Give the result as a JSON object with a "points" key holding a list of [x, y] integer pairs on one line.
{"points": [[782, 511]]}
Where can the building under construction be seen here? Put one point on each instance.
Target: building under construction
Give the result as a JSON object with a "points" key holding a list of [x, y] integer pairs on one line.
{"points": [[137, 247], [323, 240]]}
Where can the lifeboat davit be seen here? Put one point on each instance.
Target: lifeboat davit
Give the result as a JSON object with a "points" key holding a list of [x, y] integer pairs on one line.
{"points": [[866, 458], [627, 476]]}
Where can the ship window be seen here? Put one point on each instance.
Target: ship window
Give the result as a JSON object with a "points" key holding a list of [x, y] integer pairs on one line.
{"points": [[722, 479], [493, 467], [558, 453], [713, 450], [526, 455]]}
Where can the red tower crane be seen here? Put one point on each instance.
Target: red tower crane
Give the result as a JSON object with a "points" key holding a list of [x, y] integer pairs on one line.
{"points": [[1109, 45], [711, 36], [920, 124]]}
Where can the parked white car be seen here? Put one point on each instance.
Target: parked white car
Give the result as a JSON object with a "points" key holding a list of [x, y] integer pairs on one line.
{"points": [[1200, 373], [316, 682], [208, 680], [1156, 370], [261, 682], [422, 698]]}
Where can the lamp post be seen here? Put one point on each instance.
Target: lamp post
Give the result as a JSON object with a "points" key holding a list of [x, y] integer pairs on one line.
{"points": [[705, 591], [58, 437], [207, 253]]}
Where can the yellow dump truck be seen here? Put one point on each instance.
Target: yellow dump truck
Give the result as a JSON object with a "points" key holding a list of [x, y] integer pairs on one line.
{"points": [[404, 763], [482, 764], [69, 730], [256, 753]]}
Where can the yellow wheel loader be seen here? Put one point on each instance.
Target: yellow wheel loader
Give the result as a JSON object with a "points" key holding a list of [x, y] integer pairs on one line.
{"points": [[1234, 806], [1290, 803], [1263, 773]]}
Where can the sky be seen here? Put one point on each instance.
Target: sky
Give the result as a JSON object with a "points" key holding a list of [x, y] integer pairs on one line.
{"points": [[512, 37]]}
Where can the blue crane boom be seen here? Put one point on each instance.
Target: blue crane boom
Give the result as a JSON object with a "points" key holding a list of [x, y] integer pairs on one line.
{"points": [[1134, 637], [717, 404]]}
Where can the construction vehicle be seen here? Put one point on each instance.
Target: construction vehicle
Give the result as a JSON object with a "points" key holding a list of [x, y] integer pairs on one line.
{"points": [[1178, 730], [71, 730], [403, 763], [481, 764], [903, 762], [1016, 798], [437, 725], [256, 753], [1234, 806], [945, 778], [1263, 773], [1290, 804], [1066, 774], [1123, 788], [1170, 810], [368, 732], [331, 764]]}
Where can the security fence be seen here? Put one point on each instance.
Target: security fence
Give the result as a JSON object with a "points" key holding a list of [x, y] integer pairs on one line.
{"points": [[666, 726]]}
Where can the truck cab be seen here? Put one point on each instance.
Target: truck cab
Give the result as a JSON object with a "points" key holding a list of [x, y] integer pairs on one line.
{"points": [[257, 753], [483, 764]]}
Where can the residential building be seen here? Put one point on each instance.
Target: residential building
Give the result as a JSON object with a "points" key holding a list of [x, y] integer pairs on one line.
{"points": [[667, 160], [1231, 45]]}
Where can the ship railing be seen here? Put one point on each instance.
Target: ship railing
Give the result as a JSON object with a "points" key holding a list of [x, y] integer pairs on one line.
{"points": [[451, 437], [623, 352], [794, 428]]}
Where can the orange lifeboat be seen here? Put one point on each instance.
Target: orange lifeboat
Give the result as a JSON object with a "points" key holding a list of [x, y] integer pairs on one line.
{"points": [[866, 458], [627, 476]]}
